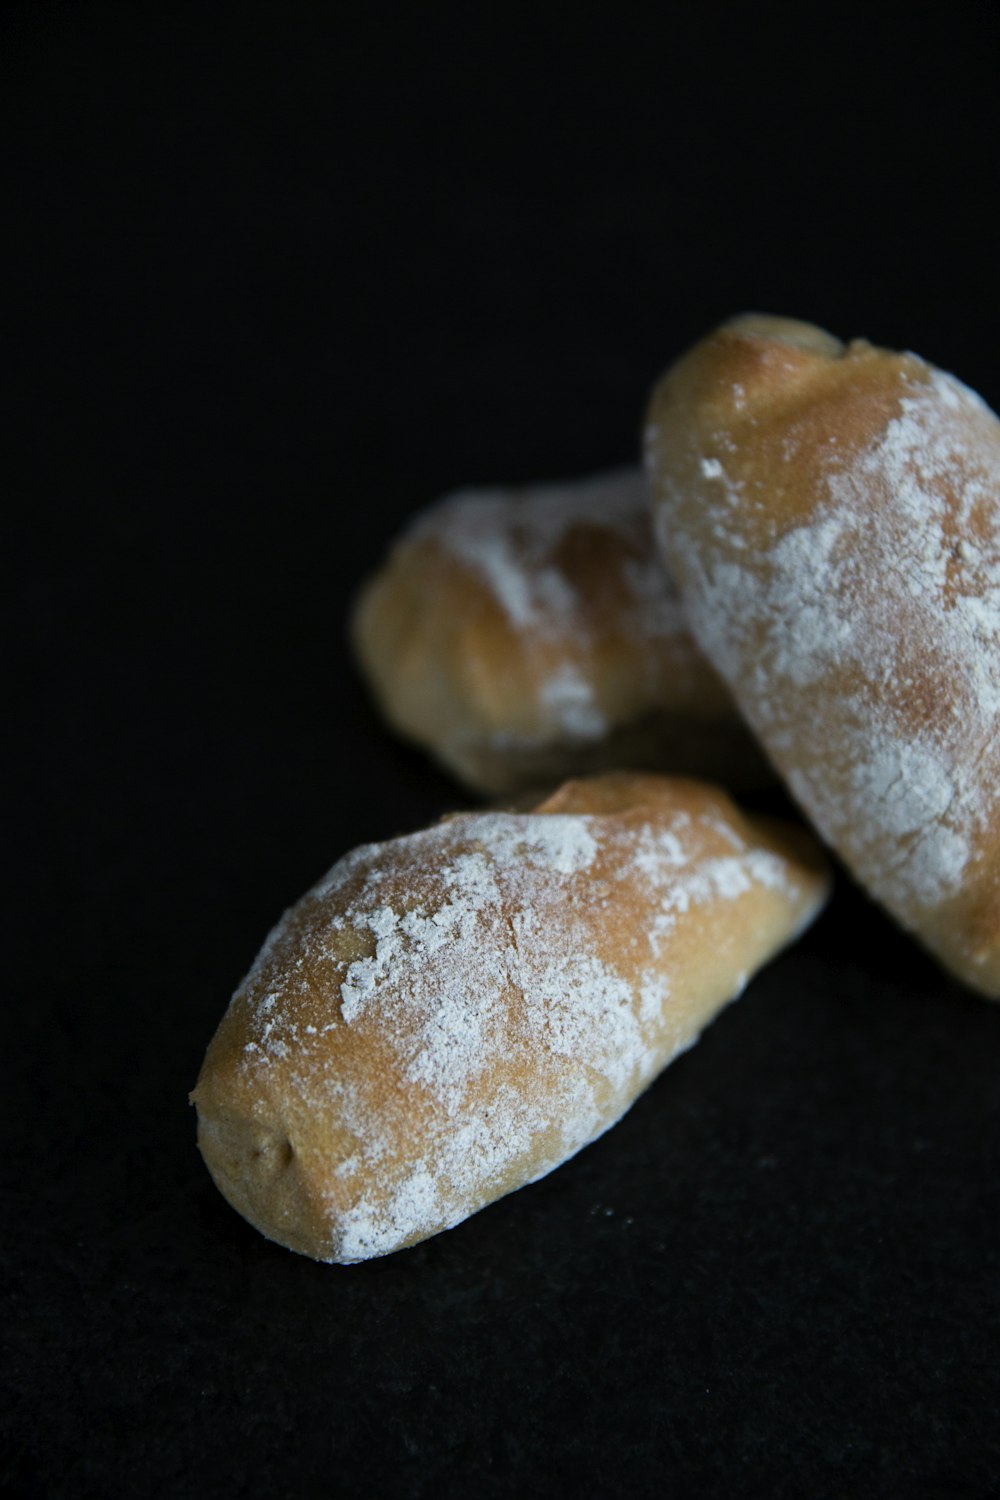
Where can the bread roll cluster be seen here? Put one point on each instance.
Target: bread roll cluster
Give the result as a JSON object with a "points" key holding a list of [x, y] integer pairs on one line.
{"points": [[451, 1014]]}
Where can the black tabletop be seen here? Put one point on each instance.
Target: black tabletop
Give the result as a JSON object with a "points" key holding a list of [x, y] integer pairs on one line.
{"points": [[277, 276]]}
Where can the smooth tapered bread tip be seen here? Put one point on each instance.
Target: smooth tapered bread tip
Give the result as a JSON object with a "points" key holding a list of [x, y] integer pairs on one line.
{"points": [[791, 331]]}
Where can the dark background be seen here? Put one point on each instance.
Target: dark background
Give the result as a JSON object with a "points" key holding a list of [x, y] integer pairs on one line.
{"points": [[274, 277]]}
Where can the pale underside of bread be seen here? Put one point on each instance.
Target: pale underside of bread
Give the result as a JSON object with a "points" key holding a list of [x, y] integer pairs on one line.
{"points": [[450, 1015], [523, 636], [832, 516]]}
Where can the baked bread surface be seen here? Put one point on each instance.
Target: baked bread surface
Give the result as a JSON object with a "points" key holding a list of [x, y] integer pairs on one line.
{"points": [[832, 516], [449, 1015], [529, 634]]}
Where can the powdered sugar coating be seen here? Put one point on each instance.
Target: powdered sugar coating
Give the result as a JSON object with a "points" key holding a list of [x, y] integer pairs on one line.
{"points": [[490, 971]]}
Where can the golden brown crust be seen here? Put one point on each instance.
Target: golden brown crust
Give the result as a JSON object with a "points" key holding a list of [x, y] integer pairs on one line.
{"points": [[832, 516], [523, 636], [450, 1015]]}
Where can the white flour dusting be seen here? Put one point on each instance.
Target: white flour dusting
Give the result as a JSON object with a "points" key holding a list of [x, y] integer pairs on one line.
{"points": [[570, 697], [523, 545], [513, 537], [893, 586], [477, 948]]}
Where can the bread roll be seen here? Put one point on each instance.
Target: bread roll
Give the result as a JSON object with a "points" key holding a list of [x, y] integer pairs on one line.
{"points": [[526, 635], [832, 516], [450, 1015]]}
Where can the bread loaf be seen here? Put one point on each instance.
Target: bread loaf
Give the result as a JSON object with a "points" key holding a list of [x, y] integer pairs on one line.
{"points": [[832, 516], [526, 635], [450, 1015]]}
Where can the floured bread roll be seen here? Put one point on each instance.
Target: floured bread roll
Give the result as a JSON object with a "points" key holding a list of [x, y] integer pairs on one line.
{"points": [[832, 515], [450, 1015], [526, 635]]}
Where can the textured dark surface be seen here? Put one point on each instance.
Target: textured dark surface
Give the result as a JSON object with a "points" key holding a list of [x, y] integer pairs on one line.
{"points": [[276, 277]]}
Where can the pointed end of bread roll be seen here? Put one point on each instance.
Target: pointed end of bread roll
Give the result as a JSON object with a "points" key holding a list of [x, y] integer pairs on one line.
{"points": [[256, 1168], [767, 328], [758, 365]]}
